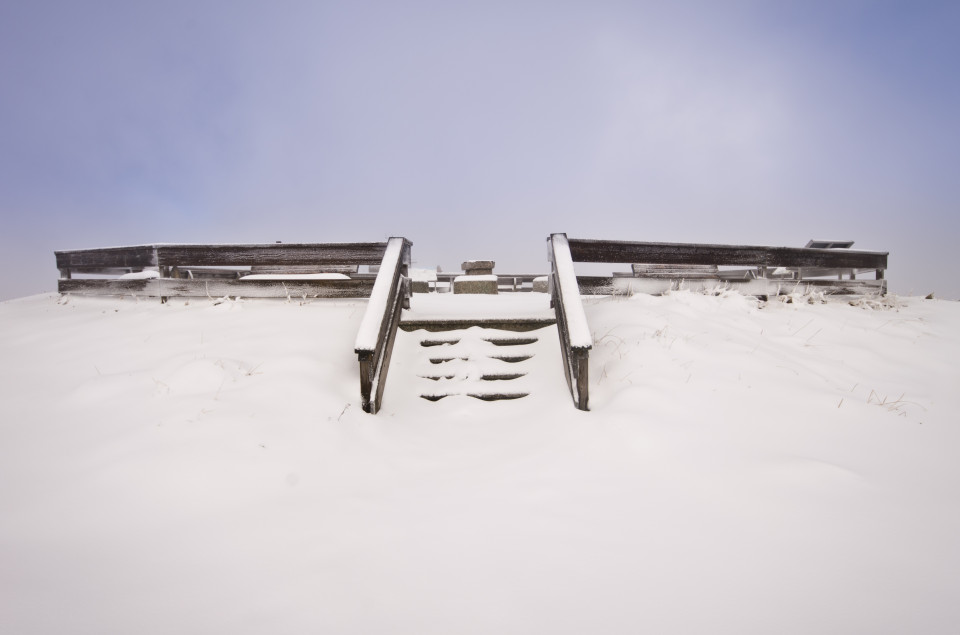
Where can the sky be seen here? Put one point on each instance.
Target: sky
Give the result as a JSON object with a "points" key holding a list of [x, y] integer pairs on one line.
{"points": [[475, 129]]}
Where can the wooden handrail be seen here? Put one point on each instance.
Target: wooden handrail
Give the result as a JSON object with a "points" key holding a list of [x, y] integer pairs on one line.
{"points": [[378, 329], [575, 338]]}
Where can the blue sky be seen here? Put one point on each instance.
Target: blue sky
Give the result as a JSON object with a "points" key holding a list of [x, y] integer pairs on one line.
{"points": [[475, 129]]}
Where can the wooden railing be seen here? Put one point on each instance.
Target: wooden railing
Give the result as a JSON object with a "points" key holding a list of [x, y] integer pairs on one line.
{"points": [[374, 345], [575, 338], [217, 270], [700, 261], [224, 270], [801, 265]]}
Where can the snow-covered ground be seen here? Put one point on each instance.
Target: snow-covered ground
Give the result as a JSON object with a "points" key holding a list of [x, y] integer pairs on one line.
{"points": [[206, 468]]}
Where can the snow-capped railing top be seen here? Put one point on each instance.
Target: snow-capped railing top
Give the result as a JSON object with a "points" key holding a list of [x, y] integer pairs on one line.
{"points": [[378, 329], [566, 278], [384, 290]]}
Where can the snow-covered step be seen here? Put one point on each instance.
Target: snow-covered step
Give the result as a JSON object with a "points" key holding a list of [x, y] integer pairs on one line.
{"points": [[479, 363], [511, 341], [436, 324], [485, 396]]}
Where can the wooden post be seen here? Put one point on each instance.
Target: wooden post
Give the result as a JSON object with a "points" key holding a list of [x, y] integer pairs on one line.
{"points": [[583, 367], [366, 379]]}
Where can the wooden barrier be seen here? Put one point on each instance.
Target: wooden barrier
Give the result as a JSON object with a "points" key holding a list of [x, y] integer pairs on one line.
{"points": [[284, 270], [374, 344], [657, 267], [219, 270]]}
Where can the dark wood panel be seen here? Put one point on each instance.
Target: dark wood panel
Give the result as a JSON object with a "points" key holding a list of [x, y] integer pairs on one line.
{"points": [[598, 285], [147, 287], [701, 254], [135, 257], [500, 324], [271, 254], [288, 269], [267, 288], [167, 287]]}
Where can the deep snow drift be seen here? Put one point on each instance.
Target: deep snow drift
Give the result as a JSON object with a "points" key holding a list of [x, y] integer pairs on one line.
{"points": [[201, 467]]}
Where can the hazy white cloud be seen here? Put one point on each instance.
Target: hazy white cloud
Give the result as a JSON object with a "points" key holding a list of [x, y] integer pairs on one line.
{"points": [[477, 129]]}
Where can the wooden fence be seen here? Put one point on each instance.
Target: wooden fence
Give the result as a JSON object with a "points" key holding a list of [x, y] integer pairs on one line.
{"points": [[658, 266], [218, 270], [770, 270], [273, 270]]}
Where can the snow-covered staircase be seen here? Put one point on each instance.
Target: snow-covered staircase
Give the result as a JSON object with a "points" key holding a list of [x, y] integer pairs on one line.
{"points": [[490, 348], [479, 362]]}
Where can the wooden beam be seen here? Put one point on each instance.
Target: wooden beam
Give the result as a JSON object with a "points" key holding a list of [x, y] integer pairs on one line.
{"points": [[90, 260], [271, 254], [600, 285], [172, 288], [701, 254]]}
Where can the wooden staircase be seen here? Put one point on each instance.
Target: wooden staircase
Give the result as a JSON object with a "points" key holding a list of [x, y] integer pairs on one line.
{"points": [[479, 362], [486, 358]]}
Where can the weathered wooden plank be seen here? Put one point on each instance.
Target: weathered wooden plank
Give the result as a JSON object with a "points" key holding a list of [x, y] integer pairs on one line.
{"points": [[642, 270], [702, 254], [90, 260], [500, 324], [582, 366], [100, 271], [172, 288], [208, 273], [271, 254], [145, 287], [598, 285], [266, 288], [380, 378], [295, 269]]}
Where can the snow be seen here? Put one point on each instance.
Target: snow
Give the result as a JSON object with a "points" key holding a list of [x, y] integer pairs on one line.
{"points": [[422, 275], [141, 275], [745, 468], [519, 305], [486, 277], [296, 276]]}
